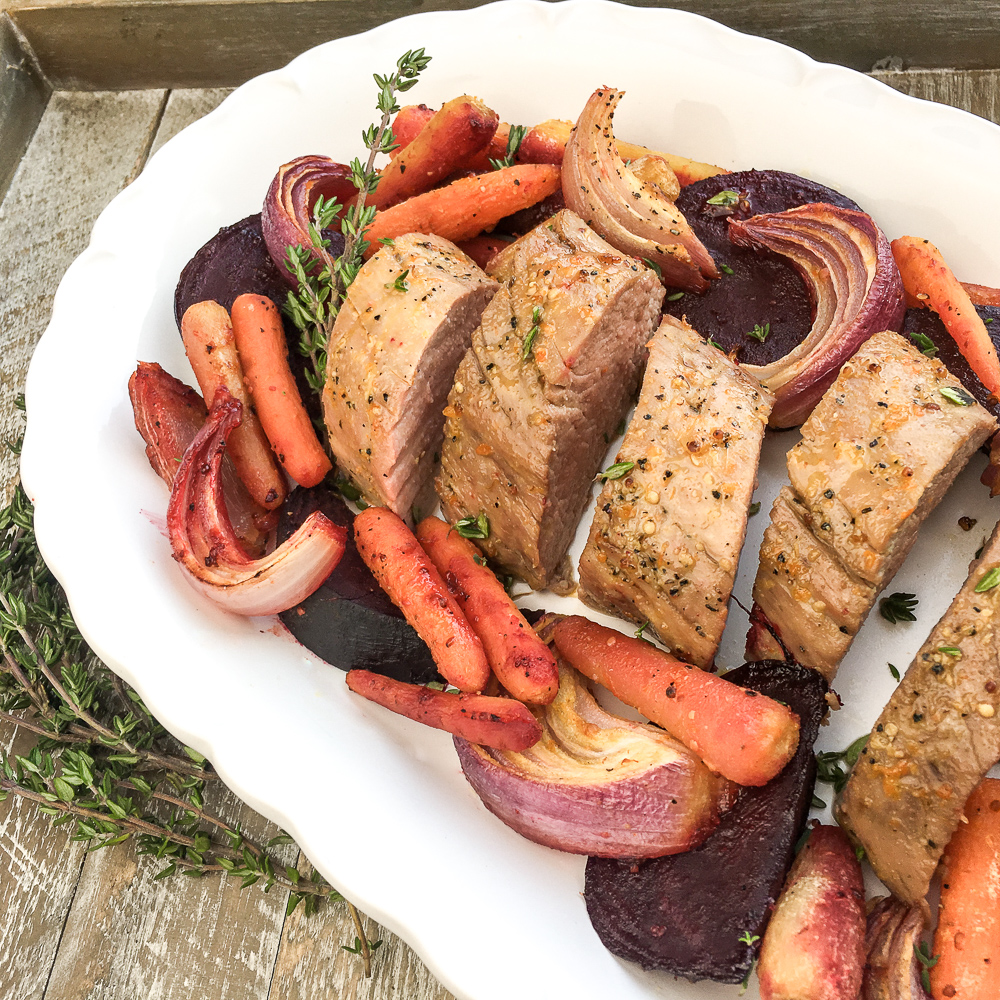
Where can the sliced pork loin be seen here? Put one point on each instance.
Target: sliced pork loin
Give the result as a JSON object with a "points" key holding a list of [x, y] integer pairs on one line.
{"points": [[933, 742], [667, 535], [877, 454], [548, 378], [401, 332]]}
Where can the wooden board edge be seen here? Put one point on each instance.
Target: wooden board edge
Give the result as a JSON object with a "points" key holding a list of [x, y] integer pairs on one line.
{"points": [[132, 44], [24, 93]]}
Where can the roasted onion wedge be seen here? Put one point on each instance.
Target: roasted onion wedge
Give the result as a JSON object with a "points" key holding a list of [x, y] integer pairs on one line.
{"points": [[205, 544], [847, 265], [287, 210], [892, 970], [597, 784], [626, 206]]}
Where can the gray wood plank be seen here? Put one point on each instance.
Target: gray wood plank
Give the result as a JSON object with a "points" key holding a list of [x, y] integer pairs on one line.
{"points": [[94, 44], [976, 91], [45, 221]]}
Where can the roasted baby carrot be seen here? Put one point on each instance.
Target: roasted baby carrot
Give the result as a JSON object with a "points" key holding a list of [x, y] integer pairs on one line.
{"points": [[263, 350], [211, 348], [482, 249], [468, 206], [406, 573], [407, 124], [462, 128], [745, 736], [928, 278], [968, 931], [524, 664], [501, 723], [546, 143], [982, 295]]}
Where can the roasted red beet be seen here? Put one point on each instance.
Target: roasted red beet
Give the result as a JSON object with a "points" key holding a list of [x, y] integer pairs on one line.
{"points": [[686, 913], [762, 288], [350, 621]]}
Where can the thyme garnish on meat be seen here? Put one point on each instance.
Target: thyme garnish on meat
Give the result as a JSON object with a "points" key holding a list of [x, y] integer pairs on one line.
{"points": [[313, 307], [473, 527], [957, 395], [830, 764], [615, 471], [898, 607], [529, 339], [100, 763]]}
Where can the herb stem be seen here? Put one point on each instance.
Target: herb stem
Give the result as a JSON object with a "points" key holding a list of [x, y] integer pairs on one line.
{"points": [[366, 955]]}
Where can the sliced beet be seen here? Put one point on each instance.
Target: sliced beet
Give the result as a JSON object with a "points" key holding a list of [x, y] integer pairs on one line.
{"points": [[686, 913], [928, 323], [350, 621], [763, 288], [233, 262]]}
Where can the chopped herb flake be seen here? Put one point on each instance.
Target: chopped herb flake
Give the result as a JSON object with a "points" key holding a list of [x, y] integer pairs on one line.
{"points": [[894, 671], [726, 269], [925, 343], [989, 580], [760, 332], [473, 527], [956, 394], [615, 471], [725, 198], [676, 296], [754, 508], [898, 607]]}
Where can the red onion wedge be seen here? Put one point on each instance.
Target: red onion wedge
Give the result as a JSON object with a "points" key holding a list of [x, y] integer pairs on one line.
{"points": [[206, 545], [597, 784], [847, 265], [168, 415], [892, 969], [288, 206], [630, 211]]}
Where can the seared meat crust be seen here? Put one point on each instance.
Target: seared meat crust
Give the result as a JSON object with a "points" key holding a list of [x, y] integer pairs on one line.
{"points": [[933, 742], [530, 413], [666, 536], [876, 456], [400, 334]]}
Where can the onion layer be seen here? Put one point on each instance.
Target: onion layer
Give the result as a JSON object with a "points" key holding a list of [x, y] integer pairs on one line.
{"points": [[597, 784], [624, 204], [206, 545], [288, 206], [847, 265], [892, 970]]}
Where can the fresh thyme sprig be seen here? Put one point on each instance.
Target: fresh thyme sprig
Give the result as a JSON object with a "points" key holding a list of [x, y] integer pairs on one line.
{"points": [[514, 139], [101, 763], [830, 765], [322, 281], [898, 607]]}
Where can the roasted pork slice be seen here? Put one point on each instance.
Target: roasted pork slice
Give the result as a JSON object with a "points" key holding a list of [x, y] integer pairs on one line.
{"points": [[401, 332], [668, 531], [548, 378], [933, 742], [877, 454]]}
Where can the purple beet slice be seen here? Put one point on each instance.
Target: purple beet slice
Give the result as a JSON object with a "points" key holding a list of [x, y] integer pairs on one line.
{"points": [[927, 323], [686, 913], [756, 288], [350, 621], [233, 262]]}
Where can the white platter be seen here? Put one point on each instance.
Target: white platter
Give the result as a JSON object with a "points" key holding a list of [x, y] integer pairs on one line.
{"points": [[383, 809]]}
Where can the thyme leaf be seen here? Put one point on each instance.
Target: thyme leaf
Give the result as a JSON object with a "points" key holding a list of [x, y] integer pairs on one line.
{"points": [[957, 395], [529, 338], [834, 766], [898, 607], [514, 139], [759, 332], [473, 527], [989, 579], [926, 345], [615, 471], [725, 198]]}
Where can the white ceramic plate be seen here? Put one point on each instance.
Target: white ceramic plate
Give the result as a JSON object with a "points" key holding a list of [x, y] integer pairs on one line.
{"points": [[382, 808]]}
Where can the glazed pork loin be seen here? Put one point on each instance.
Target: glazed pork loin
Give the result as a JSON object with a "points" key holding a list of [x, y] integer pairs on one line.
{"points": [[933, 742], [549, 376], [667, 533], [877, 454], [400, 334]]}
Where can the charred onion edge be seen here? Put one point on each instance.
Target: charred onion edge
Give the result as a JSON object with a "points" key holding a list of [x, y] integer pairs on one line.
{"points": [[205, 544], [287, 209], [633, 216], [892, 970], [848, 267], [670, 805]]}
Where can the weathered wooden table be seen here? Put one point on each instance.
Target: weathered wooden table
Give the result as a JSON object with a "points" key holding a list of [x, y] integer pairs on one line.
{"points": [[79, 925]]}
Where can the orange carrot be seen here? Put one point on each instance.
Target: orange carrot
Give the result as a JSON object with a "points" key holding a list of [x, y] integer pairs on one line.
{"points": [[745, 736], [982, 295], [927, 277], [406, 573], [211, 348], [462, 128], [501, 723], [524, 664], [468, 206], [407, 124], [496, 150], [968, 931], [546, 143], [260, 340]]}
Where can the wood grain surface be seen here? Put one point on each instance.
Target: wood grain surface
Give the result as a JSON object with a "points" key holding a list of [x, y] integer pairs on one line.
{"points": [[97, 926]]}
